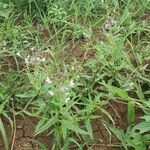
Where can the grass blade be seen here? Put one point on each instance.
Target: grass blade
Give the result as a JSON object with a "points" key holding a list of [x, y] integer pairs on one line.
{"points": [[131, 112], [4, 136]]}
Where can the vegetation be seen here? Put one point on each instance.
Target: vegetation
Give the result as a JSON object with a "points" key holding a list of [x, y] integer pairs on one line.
{"points": [[61, 61]]}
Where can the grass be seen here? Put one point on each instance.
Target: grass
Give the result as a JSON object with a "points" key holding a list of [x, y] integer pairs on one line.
{"points": [[62, 61]]}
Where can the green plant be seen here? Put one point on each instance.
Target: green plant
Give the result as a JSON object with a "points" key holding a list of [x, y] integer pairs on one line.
{"points": [[133, 137], [61, 65]]}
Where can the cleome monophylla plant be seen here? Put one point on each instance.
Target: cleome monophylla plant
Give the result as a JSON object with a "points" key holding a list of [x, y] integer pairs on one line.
{"points": [[64, 63]]}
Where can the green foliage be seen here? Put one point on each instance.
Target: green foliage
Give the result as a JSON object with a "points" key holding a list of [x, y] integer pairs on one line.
{"points": [[60, 64], [5, 10], [4, 136], [133, 137]]}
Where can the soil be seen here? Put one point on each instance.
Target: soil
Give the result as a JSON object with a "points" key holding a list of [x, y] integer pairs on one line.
{"points": [[25, 128]]}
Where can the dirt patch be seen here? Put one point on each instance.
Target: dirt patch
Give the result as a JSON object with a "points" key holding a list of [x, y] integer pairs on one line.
{"points": [[24, 139]]}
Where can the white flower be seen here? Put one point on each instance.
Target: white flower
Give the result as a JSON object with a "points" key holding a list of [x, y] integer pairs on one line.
{"points": [[43, 60], [67, 100], [4, 43], [63, 88], [49, 80], [107, 26], [32, 48], [32, 59], [113, 22], [72, 68], [51, 93], [18, 54], [71, 83], [38, 59], [43, 105], [131, 84], [27, 59]]}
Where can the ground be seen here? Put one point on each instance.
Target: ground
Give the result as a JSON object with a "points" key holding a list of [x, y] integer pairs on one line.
{"points": [[25, 128], [74, 74]]}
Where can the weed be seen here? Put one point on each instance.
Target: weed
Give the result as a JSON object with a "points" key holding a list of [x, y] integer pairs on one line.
{"points": [[40, 78]]}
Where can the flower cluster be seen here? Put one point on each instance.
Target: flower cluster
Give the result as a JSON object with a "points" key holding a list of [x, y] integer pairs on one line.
{"points": [[29, 59], [64, 89], [110, 21]]}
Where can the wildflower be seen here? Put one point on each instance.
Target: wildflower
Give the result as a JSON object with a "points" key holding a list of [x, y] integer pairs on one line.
{"points": [[38, 59], [4, 43], [71, 83], [110, 22], [43, 60], [42, 104], [18, 54], [32, 48], [107, 26], [63, 89], [51, 93], [131, 84], [72, 68], [113, 22], [49, 80], [27, 59], [67, 100], [33, 59]]}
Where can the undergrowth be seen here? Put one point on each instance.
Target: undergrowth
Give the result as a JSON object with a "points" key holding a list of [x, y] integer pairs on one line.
{"points": [[42, 75]]}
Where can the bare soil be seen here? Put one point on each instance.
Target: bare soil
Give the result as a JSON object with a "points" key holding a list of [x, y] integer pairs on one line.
{"points": [[25, 128]]}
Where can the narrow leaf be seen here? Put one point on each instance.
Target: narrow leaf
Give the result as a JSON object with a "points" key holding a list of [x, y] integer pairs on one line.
{"points": [[44, 125], [69, 125], [4, 136], [131, 112], [89, 129]]}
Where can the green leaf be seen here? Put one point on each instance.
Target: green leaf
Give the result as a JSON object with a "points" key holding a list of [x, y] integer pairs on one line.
{"points": [[2, 107], [44, 124], [29, 94], [116, 3], [71, 126], [64, 131], [107, 114], [10, 122], [119, 134], [146, 137], [147, 103], [126, 16], [4, 136], [74, 141], [89, 129], [147, 92], [146, 118], [40, 145], [4, 10], [120, 92], [142, 127], [139, 92], [131, 112]]}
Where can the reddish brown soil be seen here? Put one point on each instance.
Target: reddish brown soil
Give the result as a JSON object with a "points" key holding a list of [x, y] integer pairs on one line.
{"points": [[25, 128]]}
